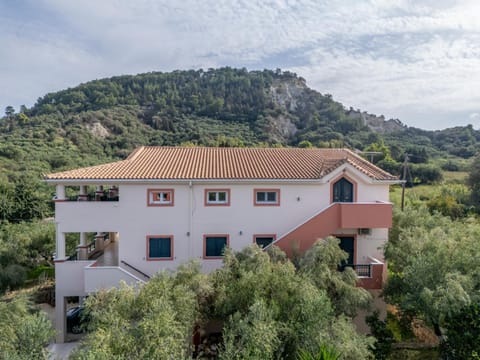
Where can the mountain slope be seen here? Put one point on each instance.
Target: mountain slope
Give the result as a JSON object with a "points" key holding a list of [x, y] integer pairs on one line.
{"points": [[105, 119]]}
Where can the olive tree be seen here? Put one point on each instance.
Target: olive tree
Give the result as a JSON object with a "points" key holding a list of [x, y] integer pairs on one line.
{"points": [[24, 332], [256, 291], [321, 265], [434, 263], [155, 321]]}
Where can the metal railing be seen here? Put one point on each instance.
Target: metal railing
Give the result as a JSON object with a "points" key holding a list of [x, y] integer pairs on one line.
{"points": [[134, 268], [91, 197], [362, 270], [91, 247]]}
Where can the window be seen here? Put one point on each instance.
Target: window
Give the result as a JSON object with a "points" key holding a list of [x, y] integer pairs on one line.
{"points": [[160, 197], [160, 247], [217, 197], [263, 240], [267, 197], [214, 245], [343, 191]]}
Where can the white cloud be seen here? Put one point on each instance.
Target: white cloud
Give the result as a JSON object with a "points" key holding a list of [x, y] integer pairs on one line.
{"points": [[387, 56]]}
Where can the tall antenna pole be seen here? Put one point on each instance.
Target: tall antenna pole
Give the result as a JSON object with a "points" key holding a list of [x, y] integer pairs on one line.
{"points": [[404, 178]]}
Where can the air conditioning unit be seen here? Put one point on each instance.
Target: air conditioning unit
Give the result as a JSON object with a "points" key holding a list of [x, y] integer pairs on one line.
{"points": [[364, 231]]}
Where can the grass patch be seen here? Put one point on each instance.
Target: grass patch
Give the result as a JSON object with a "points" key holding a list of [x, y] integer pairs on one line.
{"points": [[455, 177]]}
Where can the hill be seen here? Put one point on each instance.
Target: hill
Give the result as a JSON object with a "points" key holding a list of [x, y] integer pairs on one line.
{"points": [[105, 119]]}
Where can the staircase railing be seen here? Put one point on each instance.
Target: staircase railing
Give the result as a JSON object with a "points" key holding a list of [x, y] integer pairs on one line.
{"points": [[134, 268]]}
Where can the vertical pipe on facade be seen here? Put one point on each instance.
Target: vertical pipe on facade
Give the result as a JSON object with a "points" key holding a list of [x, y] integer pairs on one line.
{"points": [[190, 219]]}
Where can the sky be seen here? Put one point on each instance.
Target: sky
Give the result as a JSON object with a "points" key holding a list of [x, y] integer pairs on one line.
{"points": [[417, 61]]}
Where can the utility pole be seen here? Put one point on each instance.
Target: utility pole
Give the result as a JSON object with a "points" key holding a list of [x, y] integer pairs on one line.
{"points": [[404, 178], [371, 154]]}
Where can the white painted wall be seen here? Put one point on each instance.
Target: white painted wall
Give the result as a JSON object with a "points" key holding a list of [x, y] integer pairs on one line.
{"points": [[371, 245], [106, 277], [70, 277], [134, 220], [88, 216]]}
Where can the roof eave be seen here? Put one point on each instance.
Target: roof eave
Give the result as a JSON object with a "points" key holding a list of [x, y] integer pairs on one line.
{"points": [[187, 181], [180, 181], [388, 181]]}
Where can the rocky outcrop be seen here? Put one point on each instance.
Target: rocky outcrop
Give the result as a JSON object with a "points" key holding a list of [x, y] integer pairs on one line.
{"points": [[376, 123], [97, 130], [286, 94]]}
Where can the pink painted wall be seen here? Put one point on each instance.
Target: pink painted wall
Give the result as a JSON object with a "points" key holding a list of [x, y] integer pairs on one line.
{"points": [[374, 282], [337, 216], [358, 215]]}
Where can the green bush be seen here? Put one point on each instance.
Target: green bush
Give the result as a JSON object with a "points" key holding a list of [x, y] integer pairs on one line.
{"points": [[325, 353], [383, 335], [463, 334], [41, 271]]}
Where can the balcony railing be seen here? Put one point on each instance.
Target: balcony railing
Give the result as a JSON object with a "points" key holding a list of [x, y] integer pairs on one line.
{"points": [[92, 197], [362, 270]]}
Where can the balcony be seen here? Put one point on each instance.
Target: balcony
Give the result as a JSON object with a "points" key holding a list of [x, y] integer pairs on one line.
{"points": [[85, 276], [332, 218], [365, 215], [370, 276], [93, 197], [362, 270], [81, 216]]}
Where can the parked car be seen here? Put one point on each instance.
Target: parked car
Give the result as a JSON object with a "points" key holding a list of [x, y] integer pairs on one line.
{"points": [[76, 319]]}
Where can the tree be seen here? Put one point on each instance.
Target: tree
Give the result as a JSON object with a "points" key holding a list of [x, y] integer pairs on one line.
{"points": [[7, 203], [463, 334], [29, 202], [382, 149], [23, 247], [153, 322], [473, 181], [425, 174], [320, 264], [270, 311], [302, 313], [383, 335], [9, 111], [24, 333], [253, 336], [433, 266], [305, 144]]}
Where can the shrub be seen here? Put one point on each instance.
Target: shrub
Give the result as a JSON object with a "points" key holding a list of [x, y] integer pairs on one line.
{"points": [[463, 334], [384, 336]]}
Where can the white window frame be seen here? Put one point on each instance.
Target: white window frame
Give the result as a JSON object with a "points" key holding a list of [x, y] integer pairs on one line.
{"points": [[217, 201], [165, 197], [266, 201]]}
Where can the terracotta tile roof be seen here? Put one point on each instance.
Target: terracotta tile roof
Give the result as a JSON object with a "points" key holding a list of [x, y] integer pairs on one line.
{"points": [[176, 163]]}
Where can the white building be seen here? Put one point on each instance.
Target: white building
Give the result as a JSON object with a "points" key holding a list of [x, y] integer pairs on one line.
{"points": [[165, 205]]}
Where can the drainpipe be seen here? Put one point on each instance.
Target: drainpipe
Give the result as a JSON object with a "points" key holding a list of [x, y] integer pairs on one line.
{"points": [[190, 219]]}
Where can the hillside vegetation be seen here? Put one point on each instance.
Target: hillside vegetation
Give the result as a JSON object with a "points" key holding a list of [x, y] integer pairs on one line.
{"points": [[105, 119]]}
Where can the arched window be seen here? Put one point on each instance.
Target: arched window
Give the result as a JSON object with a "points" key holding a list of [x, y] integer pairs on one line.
{"points": [[343, 191]]}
